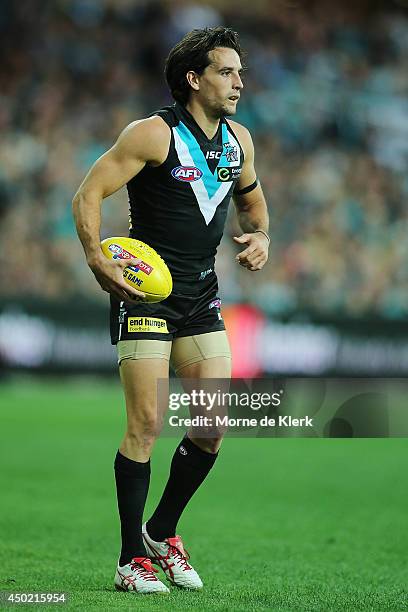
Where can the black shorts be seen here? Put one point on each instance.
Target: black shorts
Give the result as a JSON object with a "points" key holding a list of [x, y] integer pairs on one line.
{"points": [[193, 308]]}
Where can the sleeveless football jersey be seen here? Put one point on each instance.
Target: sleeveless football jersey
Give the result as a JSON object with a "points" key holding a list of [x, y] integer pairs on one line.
{"points": [[180, 207]]}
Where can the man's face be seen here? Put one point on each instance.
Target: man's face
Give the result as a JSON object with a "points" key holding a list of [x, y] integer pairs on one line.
{"points": [[220, 84]]}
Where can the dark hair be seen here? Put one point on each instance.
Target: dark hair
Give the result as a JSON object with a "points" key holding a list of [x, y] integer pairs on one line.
{"points": [[191, 53]]}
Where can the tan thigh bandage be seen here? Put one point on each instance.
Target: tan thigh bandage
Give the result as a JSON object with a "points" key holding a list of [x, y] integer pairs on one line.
{"points": [[143, 349], [191, 349]]}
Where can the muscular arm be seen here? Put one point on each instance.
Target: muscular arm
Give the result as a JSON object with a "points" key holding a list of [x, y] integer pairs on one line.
{"points": [[141, 142], [251, 210]]}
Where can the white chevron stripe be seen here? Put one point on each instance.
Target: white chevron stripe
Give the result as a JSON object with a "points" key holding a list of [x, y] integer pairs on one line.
{"points": [[207, 205]]}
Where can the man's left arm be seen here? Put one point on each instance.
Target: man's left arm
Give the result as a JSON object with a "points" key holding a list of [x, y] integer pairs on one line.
{"points": [[252, 211]]}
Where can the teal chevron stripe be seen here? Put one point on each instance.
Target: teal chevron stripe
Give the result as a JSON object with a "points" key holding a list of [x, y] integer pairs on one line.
{"points": [[209, 179]]}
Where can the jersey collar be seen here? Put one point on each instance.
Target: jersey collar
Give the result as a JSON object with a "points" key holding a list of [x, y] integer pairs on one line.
{"points": [[192, 124]]}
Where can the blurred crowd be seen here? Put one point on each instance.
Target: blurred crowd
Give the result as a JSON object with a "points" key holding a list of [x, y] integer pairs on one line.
{"points": [[325, 98]]}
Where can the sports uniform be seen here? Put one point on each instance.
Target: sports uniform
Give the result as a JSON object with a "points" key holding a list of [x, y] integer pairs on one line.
{"points": [[179, 208]]}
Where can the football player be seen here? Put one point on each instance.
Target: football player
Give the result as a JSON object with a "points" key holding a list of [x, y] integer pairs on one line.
{"points": [[182, 165]]}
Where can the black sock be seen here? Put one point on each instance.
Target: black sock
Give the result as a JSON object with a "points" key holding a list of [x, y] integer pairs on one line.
{"points": [[132, 483], [189, 467]]}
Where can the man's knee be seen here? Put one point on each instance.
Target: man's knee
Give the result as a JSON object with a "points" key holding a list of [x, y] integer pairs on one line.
{"points": [[144, 423]]}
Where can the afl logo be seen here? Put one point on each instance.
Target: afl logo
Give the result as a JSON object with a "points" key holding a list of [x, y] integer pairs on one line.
{"points": [[186, 174]]}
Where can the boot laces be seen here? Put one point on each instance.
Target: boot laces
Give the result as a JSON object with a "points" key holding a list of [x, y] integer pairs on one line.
{"points": [[140, 569], [181, 559]]}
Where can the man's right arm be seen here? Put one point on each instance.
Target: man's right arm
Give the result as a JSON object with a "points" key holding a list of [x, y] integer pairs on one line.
{"points": [[145, 141]]}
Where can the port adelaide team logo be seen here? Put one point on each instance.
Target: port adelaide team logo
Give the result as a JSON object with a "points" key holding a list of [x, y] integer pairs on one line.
{"points": [[231, 152], [187, 174]]}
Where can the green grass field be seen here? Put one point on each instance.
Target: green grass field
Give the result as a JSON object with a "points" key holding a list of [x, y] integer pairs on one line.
{"points": [[280, 524]]}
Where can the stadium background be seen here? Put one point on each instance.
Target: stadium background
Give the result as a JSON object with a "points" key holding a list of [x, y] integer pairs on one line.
{"points": [[325, 99]]}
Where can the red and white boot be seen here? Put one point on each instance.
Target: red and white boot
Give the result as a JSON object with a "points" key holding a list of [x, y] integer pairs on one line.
{"points": [[173, 560], [139, 576]]}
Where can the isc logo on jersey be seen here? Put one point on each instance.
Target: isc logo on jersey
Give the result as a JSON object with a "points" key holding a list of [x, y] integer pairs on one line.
{"points": [[187, 174]]}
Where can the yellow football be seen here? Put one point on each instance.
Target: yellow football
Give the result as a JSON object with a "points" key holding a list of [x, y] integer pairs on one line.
{"points": [[151, 275]]}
